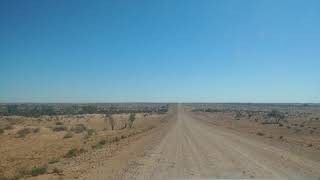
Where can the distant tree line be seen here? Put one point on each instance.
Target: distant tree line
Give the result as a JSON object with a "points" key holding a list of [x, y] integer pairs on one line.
{"points": [[36, 110]]}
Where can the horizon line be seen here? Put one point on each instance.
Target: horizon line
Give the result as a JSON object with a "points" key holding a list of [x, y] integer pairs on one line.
{"points": [[149, 102]]}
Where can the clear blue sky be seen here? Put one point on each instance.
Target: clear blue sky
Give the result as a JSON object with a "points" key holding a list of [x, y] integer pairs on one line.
{"points": [[152, 50]]}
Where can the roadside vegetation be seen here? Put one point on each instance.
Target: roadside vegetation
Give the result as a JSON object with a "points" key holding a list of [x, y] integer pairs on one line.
{"points": [[46, 137], [37, 110], [294, 123]]}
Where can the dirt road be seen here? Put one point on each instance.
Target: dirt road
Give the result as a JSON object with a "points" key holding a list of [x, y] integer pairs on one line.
{"points": [[193, 148]]}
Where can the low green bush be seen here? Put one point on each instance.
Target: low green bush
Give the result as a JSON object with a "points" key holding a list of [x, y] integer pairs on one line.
{"points": [[36, 171], [79, 128], [59, 128], [68, 135]]}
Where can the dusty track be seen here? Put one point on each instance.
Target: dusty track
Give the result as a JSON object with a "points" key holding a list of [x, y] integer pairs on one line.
{"points": [[192, 148]]}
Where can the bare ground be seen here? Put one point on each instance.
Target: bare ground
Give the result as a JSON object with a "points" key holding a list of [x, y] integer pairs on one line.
{"points": [[191, 147]]}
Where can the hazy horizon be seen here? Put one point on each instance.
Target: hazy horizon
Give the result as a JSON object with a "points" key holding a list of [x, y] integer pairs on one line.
{"points": [[160, 51]]}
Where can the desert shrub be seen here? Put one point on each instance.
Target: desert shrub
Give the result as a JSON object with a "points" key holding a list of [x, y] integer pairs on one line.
{"points": [[4, 177], [57, 171], [301, 125], [90, 132], [38, 171], [102, 142], [36, 130], [116, 139], [124, 127], [280, 124], [132, 118], [1, 131], [9, 178], [280, 137], [53, 161], [97, 146], [73, 152], [23, 132], [260, 134], [68, 135], [59, 123], [277, 115], [22, 171], [79, 128], [8, 127], [237, 116], [288, 127], [110, 119], [59, 128], [211, 110]]}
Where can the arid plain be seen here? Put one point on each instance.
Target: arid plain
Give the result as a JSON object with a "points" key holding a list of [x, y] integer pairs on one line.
{"points": [[163, 141]]}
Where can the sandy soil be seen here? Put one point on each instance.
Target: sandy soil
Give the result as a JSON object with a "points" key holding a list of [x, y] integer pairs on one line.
{"points": [[42, 146], [178, 145], [196, 148]]}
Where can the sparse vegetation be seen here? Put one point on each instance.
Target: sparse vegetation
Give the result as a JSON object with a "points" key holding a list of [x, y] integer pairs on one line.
{"points": [[8, 127], [56, 126], [59, 123], [23, 132], [79, 128], [275, 117], [260, 134], [130, 123], [116, 139], [37, 110], [74, 152], [36, 130], [68, 135], [36, 171], [4, 178], [132, 118], [100, 144], [90, 132], [111, 120], [59, 128], [53, 161], [57, 171]]}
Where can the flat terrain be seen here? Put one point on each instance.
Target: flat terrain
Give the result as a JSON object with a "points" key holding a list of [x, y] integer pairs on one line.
{"points": [[66, 146], [194, 147], [183, 143]]}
